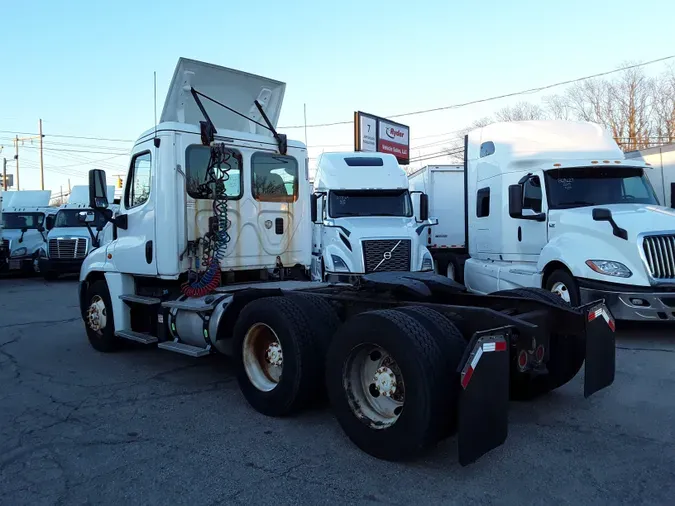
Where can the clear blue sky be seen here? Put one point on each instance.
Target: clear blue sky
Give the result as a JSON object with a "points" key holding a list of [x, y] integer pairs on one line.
{"points": [[87, 69]]}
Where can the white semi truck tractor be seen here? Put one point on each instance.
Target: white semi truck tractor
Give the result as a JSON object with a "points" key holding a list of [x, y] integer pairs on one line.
{"points": [[555, 205], [24, 232], [365, 221], [211, 253], [69, 240]]}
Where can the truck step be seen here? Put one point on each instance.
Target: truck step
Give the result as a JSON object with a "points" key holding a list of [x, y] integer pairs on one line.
{"points": [[185, 349], [187, 305], [136, 336], [141, 299]]}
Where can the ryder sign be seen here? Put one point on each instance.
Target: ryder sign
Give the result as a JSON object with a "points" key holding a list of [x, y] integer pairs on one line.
{"points": [[375, 134]]}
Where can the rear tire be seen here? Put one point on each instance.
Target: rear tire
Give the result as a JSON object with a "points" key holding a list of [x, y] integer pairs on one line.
{"points": [[98, 318], [566, 353], [276, 357], [452, 344], [404, 354]]}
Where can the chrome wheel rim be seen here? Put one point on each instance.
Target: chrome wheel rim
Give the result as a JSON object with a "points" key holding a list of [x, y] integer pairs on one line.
{"points": [[97, 318], [263, 357], [374, 386], [561, 290]]}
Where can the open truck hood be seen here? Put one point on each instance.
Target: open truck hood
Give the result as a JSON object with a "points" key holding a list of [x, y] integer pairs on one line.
{"points": [[238, 90]]}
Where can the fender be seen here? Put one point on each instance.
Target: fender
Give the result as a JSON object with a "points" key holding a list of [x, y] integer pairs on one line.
{"points": [[573, 249]]}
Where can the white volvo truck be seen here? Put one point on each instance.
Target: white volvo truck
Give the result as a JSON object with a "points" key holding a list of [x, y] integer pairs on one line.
{"points": [[69, 240], [212, 251], [23, 229], [556, 205], [365, 221]]}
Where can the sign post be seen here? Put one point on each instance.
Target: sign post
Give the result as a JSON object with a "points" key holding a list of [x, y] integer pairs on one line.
{"points": [[375, 134]]}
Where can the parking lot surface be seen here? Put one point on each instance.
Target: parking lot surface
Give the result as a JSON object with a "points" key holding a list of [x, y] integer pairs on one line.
{"points": [[146, 426]]}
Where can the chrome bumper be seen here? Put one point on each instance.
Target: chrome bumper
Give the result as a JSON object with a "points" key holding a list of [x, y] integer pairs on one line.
{"points": [[635, 306]]}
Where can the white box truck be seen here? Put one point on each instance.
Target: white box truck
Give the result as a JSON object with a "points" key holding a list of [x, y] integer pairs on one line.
{"points": [[556, 205], [365, 220], [23, 228], [444, 185], [661, 174], [69, 240], [212, 253]]}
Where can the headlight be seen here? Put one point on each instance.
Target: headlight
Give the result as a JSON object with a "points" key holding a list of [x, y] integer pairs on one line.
{"points": [[427, 263], [339, 265], [19, 252], [609, 268]]}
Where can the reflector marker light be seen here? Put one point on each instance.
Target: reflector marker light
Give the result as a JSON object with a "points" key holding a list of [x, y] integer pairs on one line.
{"points": [[496, 343]]}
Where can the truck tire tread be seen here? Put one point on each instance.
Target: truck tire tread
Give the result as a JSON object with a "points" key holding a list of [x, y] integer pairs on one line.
{"points": [[302, 368], [419, 356]]}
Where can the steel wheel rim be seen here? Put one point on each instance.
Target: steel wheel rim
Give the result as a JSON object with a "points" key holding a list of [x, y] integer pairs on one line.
{"points": [[374, 386], [450, 271], [97, 317], [263, 357], [561, 290]]}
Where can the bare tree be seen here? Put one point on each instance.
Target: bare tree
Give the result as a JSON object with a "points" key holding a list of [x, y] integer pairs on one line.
{"points": [[522, 111], [664, 107]]}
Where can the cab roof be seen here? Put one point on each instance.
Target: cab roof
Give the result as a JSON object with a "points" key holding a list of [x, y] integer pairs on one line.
{"points": [[517, 145], [359, 171]]}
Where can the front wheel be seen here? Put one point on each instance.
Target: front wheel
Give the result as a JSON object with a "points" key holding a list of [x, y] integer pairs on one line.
{"points": [[98, 318], [565, 286]]}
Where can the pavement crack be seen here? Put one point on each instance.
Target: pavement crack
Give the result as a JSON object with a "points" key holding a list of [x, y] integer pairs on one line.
{"points": [[47, 322]]}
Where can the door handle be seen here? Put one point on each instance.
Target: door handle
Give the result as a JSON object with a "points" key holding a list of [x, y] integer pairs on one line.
{"points": [[148, 252], [279, 226]]}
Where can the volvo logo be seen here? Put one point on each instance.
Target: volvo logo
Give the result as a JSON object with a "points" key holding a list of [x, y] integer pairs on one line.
{"points": [[387, 256]]}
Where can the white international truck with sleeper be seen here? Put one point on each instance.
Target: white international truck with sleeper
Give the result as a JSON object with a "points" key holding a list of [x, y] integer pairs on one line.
{"points": [[69, 240], [365, 221], [23, 229], [212, 254], [556, 205]]}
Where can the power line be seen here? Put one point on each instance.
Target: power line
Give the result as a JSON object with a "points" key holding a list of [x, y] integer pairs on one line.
{"points": [[498, 97], [68, 136]]}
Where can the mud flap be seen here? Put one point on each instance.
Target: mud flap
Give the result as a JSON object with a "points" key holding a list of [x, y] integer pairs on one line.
{"points": [[600, 348], [484, 394]]}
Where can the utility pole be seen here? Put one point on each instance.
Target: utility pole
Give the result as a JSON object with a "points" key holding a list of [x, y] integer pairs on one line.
{"points": [[69, 189], [4, 173], [16, 157], [18, 139], [42, 166]]}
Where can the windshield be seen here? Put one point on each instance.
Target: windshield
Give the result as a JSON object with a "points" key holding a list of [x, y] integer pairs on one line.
{"points": [[17, 221], [69, 218], [369, 203], [594, 186]]}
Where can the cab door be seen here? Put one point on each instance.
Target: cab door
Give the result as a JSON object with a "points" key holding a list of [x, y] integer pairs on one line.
{"points": [[532, 235], [134, 251]]}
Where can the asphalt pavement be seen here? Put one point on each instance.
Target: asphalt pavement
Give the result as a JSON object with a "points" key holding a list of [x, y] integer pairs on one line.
{"points": [[146, 426]]}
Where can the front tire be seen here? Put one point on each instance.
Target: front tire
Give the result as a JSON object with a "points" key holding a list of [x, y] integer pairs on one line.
{"points": [[98, 318], [565, 286]]}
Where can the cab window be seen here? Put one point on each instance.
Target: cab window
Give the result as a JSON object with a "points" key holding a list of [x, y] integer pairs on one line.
{"points": [[138, 183], [532, 194], [196, 164], [274, 177]]}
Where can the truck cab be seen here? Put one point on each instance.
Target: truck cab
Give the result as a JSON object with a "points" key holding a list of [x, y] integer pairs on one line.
{"points": [[69, 239], [365, 220], [24, 229], [556, 204]]}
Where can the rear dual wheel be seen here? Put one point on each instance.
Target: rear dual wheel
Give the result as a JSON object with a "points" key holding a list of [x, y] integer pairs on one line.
{"points": [[391, 378]]}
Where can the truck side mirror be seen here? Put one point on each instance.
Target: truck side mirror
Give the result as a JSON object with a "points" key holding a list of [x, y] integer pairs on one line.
{"points": [[424, 207], [313, 202], [49, 222], [601, 214], [516, 201], [98, 189]]}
